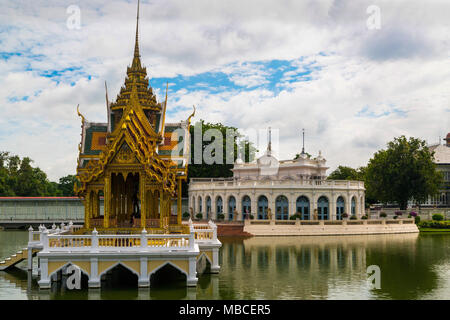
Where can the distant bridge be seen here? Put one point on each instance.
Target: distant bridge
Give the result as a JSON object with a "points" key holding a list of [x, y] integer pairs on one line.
{"points": [[21, 212]]}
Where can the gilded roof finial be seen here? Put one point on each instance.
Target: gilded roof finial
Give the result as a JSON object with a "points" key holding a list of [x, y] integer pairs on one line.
{"points": [[83, 119], [193, 114], [136, 58], [136, 47]]}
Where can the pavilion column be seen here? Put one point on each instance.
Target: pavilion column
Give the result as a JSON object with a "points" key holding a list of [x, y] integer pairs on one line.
{"points": [[179, 203], [162, 207], [107, 201], [87, 209], [97, 204], [149, 200], [143, 200], [114, 193]]}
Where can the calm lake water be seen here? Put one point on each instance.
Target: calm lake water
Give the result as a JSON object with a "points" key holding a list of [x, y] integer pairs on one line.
{"points": [[412, 267]]}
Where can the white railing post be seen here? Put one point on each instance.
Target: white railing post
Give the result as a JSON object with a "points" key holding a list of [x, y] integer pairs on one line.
{"points": [[191, 238], [53, 226], [44, 240], [144, 241], [213, 226], [94, 244], [30, 234]]}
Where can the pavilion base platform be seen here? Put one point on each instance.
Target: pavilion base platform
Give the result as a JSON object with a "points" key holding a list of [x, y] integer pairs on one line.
{"points": [[329, 227], [95, 255]]}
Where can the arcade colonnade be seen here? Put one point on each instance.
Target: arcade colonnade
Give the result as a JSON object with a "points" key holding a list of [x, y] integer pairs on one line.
{"points": [[276, 203]]}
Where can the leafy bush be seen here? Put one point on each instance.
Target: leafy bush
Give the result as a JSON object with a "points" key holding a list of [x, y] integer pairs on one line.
{"points": [[438, 217], [199, 216], [344, 215], [417, 220], [364, 217], [186, 215], [252, 216], [295, 216], [434, 224], [395, 217], [383, 215], [220, 216], [353, 217]]}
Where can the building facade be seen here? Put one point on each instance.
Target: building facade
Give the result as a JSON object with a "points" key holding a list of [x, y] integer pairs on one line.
{"points": [[272, 189], [442, 160]]}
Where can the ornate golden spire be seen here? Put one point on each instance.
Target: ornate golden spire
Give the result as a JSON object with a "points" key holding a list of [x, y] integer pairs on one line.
{"points": [[136, 58]]}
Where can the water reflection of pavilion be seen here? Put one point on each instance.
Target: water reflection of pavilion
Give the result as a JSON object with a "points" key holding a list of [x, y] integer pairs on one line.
{"points": [[301, 267]]}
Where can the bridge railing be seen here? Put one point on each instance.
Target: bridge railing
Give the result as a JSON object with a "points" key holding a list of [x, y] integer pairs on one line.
{"points": [[114, 243]]}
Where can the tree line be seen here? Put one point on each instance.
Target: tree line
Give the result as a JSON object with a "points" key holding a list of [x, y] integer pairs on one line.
{"points": [[18, 178]]}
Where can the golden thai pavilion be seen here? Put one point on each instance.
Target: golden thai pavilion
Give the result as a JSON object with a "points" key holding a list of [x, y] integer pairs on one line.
{"points": [[135, 160]]}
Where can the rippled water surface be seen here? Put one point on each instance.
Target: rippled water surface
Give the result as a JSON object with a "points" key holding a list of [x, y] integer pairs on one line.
{"points": [[412, 267]]}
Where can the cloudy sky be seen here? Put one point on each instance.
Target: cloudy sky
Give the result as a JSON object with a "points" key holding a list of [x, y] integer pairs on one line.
{"points": [[288, 64]]}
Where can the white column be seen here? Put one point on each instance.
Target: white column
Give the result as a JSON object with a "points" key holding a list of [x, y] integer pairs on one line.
{"points": [[333, 200], [213, 207], [144, 279], [215, 268], [94, 280], [292, 205], [191, 280], [348, 205], [44, 282]]}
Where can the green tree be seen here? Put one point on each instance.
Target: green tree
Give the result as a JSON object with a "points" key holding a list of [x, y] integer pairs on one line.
{"points": [[65, 185], [223, 169], [346, 173], [402, 172]]}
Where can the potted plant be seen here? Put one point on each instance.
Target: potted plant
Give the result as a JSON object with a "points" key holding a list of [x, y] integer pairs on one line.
{"points": [[199, 216], [364, 217], [353, 217], [398, 214], [252, 216], [186, 216], [383, 214], [220, 216], [344, 216]]}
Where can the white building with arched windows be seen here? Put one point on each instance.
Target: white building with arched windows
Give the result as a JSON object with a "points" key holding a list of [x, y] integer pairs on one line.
{"points": [[274, 189]]}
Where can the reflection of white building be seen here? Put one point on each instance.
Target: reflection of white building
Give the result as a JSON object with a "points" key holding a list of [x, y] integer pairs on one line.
{"points": [[270, 187], [442, 160]]}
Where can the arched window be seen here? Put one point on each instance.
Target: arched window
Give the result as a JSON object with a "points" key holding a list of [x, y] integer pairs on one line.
{"points": [[340, 207], [200, 205], [231, 207], [322, 208], [263, 205], [303, 207], [353, 206], [219, 205], [246, 206], [282, 208], [208, 207]]}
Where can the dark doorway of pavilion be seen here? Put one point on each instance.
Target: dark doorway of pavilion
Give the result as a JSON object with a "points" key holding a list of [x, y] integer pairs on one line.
{"points": [[125, 202], [168, 276], [119, 277]]}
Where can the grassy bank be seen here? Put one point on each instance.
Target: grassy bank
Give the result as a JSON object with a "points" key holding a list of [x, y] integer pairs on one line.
{"points": [[433, 230]]}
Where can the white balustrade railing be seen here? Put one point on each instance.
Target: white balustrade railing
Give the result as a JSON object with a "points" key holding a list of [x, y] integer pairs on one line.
{"points": [[113, 243], [199, 184]]}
